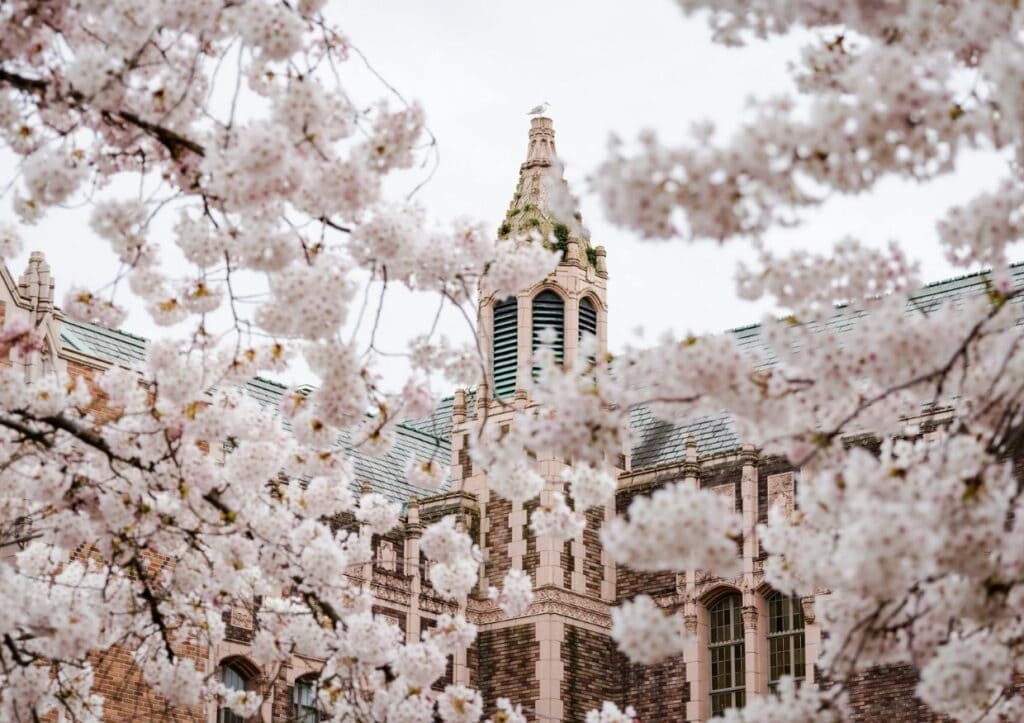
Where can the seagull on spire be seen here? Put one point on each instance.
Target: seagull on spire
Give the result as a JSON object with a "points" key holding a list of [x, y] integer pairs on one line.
{"points": [[539, 109]]}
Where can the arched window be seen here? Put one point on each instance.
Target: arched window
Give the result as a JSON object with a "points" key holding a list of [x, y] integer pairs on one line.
{"points": [[785, 639], [506, 331], [588, 317], [549, 312], [235, 674], [304, 705], [727, 652]]}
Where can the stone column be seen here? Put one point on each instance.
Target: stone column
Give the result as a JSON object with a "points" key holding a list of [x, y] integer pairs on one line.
{"points": [[751, 644], [812, 637], [550, 670], [697, 669], [517, 524], [694, 653], [579, 555], [572, 329], [748, 493], [411, 569], [524, 342], [549, 549], [609, 581], [755, 680]]}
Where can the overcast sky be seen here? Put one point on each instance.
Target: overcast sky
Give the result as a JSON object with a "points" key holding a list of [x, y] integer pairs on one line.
{"points": [[605, 66]]}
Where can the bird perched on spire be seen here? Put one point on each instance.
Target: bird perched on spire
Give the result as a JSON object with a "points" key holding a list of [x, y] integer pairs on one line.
{"points": [[539, 109]]}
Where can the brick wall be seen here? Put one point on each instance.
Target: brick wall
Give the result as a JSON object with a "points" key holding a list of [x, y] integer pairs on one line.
{"points": [[505, 667], [657, 692], [532, 557], [593, 568], [593, 672], [127, 697], [630, 582], [886, 695], [498, 537], [281, 709]]}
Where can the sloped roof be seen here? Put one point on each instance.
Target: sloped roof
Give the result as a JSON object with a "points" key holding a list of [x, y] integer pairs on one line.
{"points": [[657, 442], [422, 439], [112, 345]]}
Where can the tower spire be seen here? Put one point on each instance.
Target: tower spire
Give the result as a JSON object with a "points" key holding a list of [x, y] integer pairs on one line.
{"points": [[542, 203]]}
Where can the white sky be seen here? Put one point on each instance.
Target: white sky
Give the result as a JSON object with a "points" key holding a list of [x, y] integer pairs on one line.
{"points": [[604, 65]]}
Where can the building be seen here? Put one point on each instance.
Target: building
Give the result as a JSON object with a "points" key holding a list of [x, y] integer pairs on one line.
{"points": [[558, 659]]}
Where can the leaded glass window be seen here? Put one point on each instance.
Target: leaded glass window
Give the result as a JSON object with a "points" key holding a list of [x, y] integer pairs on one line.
{"points": [[785, 639], [235, 679], [304, 701], [727, 652]]}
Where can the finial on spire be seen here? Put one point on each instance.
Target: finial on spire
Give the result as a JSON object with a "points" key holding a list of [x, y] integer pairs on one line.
{"points": [[36, 283], [541, 151]]}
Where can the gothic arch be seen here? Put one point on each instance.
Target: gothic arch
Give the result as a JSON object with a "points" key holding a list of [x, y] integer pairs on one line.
{"points": [[547, 310], [243, 665], [595, 300], [718, 591]]}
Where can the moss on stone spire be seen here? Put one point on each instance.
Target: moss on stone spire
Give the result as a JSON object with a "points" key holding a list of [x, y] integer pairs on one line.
{"points": [[542, 201]]}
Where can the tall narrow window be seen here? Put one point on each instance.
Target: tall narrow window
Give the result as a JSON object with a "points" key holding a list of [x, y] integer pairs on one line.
{"points": [[785, 639], [588, 317], [305, 708], [588, 323], [506, 348], [727, 653], [234, 677], [549, 312]]}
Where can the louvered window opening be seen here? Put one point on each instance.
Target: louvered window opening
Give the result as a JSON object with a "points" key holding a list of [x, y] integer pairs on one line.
{"points": [[506, 348], [588, 322], [549, 312], [588, 318]]}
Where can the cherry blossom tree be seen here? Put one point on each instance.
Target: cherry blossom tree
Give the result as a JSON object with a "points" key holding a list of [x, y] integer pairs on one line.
{"points": [[148, 502], [905, 427]]}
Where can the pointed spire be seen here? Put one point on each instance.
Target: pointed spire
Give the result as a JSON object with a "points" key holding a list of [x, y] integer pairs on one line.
{"points": [[542, 202], [36, 283]]}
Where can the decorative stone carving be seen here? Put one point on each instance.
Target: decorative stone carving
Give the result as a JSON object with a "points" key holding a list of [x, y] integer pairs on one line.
{"points": [[750, 618], [807, 604], [690, 623], [781, 492], [241, 617], [547, 601], [728, 491], [386, 555]]}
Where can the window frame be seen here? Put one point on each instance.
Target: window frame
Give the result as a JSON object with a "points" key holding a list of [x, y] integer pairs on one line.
{"points": [[247, 674], [726, 644], [787, 645], [301, 711]]}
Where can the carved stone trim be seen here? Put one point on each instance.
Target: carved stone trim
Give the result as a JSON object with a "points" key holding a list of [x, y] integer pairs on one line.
{"points": [[547, 600], [241, 617], [750, 618], [807, 604], [690, 623], [781, 492]]}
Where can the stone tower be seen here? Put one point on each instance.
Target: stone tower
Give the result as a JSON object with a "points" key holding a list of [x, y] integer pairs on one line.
{"points": [[529, 659]]}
